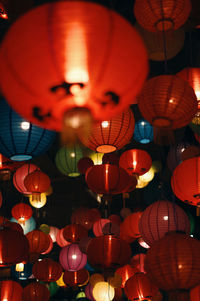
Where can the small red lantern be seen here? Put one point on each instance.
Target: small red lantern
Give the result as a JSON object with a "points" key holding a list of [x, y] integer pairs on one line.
{"points": [[71, 258], [108, 252], [38, 241], [140, 287], [20, 175], [83, 164], [111, 135], [135, 161], [60, 239], [10, 290], [74, 232], [35, 291], [82, 216], [162, 15], [47, 270], [98, 226], [77, 278], [125, 272], [37, 182], [21, 212], [107, 179]]}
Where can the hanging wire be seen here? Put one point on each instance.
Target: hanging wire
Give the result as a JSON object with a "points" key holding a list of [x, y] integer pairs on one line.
{"points": [[164, 38]]}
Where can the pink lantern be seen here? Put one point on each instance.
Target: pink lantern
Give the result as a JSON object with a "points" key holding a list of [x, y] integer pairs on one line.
{"points": [[160, 218], [53, 233], [98, 226], [20, 175], [60, 239], [72, 259]]}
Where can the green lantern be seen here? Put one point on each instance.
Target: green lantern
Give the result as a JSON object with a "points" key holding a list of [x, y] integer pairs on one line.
{"points": [[67, 159], [53, 288], [80, 295]]}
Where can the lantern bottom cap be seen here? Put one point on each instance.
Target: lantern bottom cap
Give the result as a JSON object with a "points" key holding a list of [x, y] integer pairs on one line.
{"points": [[106, 148], [145, 141], [162, 122], [21, 157]]}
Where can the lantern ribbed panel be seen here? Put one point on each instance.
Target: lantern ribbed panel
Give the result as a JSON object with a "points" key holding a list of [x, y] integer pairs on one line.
{"points": [[76, 278], [81, 36], [71, 258], [47, 270], [143, 132], [19, 143], [160, 218], [167, 101], [125, 272], [67, 159], [174, 155], [14, 247], [173, 262], [74, 233], [38, 241], [192, 76], [107, 179], [108, 252], [155, 15], [22, 210], [10, 290], [185, 181], [135, 161], [195, 293], [140, 287], [35, 291], [37, 182], [111, 135], [20, 175]]}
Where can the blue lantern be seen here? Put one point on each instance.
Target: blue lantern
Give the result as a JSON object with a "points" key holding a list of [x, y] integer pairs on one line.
{"points": [[143, 132], [22, 274], [19, 139], [28, 226]]}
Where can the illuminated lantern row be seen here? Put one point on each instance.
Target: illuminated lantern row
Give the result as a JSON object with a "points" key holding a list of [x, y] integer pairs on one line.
{"points": [[111, 135], [91, 77], [35, 291], [47, 270], [162, 217], [71, 258], [22, 212], [20, 139], [20, 175], [10, 290], [162, 15]]}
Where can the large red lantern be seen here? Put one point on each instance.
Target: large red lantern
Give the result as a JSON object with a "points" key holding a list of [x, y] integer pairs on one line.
{"points": [[91, 76], [38, 241], [160, 218], [74, 233], [21, 212], [47, 270], [10, 290], [20, 175], [159, 15], [71, 258], [77, 278], [140, 287], [108, 252], [191, 75], [111, 135], [14, 247], [107, 179], [35, 291], [173, 262], [37, 182]]}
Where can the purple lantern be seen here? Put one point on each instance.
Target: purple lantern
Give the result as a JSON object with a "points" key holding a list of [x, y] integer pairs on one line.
{"points": [[71, 258]]}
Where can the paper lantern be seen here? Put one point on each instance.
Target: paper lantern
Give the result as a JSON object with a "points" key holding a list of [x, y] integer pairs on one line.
{"points": [[37, 182], [82, 216], [35, 291], [135, 161], [28, 226], [174, 155], [47, 270], [60, 281], [7, 167], [10, 290], [88, 292], [98, 226], [195, 293], [53, 233], [83, 243], [83, 164], [107, 179], [130, 226], [71, 258], [96, 157], [91, 78], [108, 252], [76, 278], [81, 295], [38, 200], [147, 176], [53, 288], [21, 212], [74, 233], [20, 175], [185, 183], [61, 241], [20, 139], [115, 280], [160, 218], [143, 132], [111, 135], [49, 249], [140, 287], [38, 241], [3, 12], [95, 278], [162, 15], [103, 291], [67, 159], [190, 152], [191, 75], [12, 226], [176, 257], [125, 272]]}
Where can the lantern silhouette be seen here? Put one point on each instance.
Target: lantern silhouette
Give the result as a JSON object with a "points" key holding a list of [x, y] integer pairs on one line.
{"points": [[107, 179], [20, 175], [28, 226], [20, 139], [103, 291], [177, 259], [143, 132], [108, 252], [82, 216], [67, 159], [160, 218], [161, 15], [37, 182], [38, 241], [71, 258], [21, 212], [35, 291], [125, 272], [174, 155], [111, 135], [47, 270], [14, 247], [83, 164], [76, 278], [74, 233], [10, 290], [140, 287], [80, 87]]}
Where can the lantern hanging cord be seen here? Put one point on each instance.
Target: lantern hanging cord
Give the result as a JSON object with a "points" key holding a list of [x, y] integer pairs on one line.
{"points": [[164, 38]]}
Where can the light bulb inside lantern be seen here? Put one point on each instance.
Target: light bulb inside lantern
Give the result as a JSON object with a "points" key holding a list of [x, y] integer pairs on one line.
{"points": [[165, 218], [74, 256], [72, 155], [105, 124], [25, 125], [19, 267]]}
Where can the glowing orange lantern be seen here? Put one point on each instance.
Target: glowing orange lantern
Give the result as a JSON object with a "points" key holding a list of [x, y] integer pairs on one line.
{"points": [[21, 212], [37, 182], [38, 241]]}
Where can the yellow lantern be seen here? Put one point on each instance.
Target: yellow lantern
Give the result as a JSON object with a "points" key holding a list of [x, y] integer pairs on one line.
{"points": [[141, 184], [103, 291], [45, 228], [95, 278], [19, 267], [60, 281], [38, 201], [96, 157], [148, 176]]}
